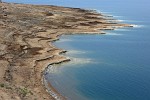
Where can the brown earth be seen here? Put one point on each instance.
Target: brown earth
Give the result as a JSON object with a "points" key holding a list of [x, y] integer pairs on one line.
{"points": [[26, 36]]}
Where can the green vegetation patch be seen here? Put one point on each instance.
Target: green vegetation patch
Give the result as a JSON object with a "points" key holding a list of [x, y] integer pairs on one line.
{"points": [[5, 86], [24, 91], [2, 85]]}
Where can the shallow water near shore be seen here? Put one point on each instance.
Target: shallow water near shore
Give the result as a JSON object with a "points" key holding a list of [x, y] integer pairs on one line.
{"points": [[114, 66], [108, 67]]}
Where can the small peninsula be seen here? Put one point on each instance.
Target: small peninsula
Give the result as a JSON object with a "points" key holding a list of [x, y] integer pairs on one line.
{"points": [[26, 36]]}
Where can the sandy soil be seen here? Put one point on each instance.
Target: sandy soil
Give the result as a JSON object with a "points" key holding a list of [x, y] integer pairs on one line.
{"points": [[26, 36]]}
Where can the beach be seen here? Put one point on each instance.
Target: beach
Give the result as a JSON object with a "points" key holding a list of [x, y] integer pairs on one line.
{"points": [[26, 36]]}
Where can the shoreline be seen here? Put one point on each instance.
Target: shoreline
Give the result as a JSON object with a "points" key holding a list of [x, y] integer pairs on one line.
{"points": [[26, 45]]}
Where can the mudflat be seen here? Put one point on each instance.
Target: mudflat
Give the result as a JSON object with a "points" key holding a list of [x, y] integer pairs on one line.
{"points": [[26, 36]]}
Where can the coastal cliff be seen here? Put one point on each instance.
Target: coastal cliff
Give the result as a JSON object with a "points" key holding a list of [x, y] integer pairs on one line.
{"points": [[26, 36]]}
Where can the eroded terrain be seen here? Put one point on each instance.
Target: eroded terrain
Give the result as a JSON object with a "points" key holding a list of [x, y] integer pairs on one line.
{"points": [[26, 36]]}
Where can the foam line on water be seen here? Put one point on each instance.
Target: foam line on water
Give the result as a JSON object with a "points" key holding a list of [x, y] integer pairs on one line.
{"points": [[138, 26], [81, 60], [120, 20], [100, 11], [124, 20], [113, 34], [121, 29], [74, 61], [53, 69], [117, 16], [76, 52], [65, 40]]}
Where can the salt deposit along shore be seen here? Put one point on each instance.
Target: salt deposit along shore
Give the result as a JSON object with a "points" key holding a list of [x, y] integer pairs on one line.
{"points": [[26, 36]]}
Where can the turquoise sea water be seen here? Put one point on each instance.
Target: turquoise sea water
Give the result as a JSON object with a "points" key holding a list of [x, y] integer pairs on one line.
{"points": [[115, 66]]}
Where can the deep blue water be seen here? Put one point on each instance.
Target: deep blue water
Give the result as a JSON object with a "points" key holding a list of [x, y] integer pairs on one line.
{"points": [[115, 66]]}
